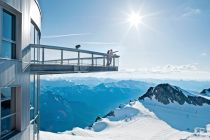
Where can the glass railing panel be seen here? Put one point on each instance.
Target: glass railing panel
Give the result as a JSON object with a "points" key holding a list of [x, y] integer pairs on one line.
{"points": [[115, 61], [85, 59], [70, 58], [52, 56], [99, 60]]}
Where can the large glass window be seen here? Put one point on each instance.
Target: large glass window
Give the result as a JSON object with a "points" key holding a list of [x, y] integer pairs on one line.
{"points": [[8, 48], [35, 34], [32, 34], [35, 39], [8, 25], [8, 111]]}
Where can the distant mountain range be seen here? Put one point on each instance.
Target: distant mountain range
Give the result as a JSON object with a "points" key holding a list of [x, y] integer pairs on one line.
{"points": [[70, 105], [59, 114]]}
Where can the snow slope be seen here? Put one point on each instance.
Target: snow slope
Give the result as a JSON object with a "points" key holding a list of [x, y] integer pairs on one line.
{"points": [[131, 122], [180, 109]]}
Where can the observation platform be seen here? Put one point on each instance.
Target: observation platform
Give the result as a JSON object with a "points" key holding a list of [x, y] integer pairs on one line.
{"points": [[46, 59]]}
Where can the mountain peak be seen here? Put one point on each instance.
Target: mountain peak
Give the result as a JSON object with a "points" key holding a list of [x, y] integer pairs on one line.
{"points": [[205, 91], [167, 88], [166, 94]]}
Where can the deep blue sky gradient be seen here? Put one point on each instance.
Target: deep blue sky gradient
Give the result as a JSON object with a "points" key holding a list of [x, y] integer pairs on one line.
{"points": [[177, 32]]}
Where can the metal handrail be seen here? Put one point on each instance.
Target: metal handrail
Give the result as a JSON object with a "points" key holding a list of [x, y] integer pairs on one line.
{"points": [[68, 49], [94, 58]]}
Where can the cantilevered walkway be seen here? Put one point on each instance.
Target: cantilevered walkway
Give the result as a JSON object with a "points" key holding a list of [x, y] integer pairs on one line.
{"points": [[46, 59]]}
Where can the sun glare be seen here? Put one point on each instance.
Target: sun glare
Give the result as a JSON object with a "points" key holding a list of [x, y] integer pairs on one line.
{"points": [[134, 19]]}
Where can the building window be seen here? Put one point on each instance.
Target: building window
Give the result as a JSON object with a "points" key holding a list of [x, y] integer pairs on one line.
{"points": [[8, 48], [35, 34], [35, 39], [8, 111]]}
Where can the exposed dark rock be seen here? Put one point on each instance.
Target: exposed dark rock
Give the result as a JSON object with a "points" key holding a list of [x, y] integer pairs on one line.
{"points": [[166, 94], [111, 113], [98, 118], [205, 91]]}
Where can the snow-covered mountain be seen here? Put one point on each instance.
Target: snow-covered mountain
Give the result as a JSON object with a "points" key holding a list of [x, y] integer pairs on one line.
{"points": [[71, 105], [184, 84], [161, 112], [206, 92], [131, 122], [181, 109], [166, 94]]}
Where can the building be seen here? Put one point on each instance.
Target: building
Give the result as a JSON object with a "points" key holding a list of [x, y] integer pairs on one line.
{"points": [[23, 60]]}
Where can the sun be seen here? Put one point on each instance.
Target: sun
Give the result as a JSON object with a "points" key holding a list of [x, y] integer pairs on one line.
{"points": [[138, 20], [134, 19]]}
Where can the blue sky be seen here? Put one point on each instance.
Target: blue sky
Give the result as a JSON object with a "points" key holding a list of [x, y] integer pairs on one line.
{"points": [[175, 36]]}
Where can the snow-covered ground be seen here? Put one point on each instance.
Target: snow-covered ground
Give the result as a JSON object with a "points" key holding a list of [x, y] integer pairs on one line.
{"points": [[181, 117], [132, 122]]}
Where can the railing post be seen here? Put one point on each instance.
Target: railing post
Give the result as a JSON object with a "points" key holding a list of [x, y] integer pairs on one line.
{"points": [[104, 61], [61, 57], [34, 55], [114, 61], [43, 55], [38, 55], [78, 63], [92, 60]]}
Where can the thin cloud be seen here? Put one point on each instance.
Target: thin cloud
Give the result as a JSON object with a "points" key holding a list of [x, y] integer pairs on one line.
{"points": [[191, 12], [99, 43], [167, 69], [137, 74], [175, 68], [203, 54], [64, 35]]}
